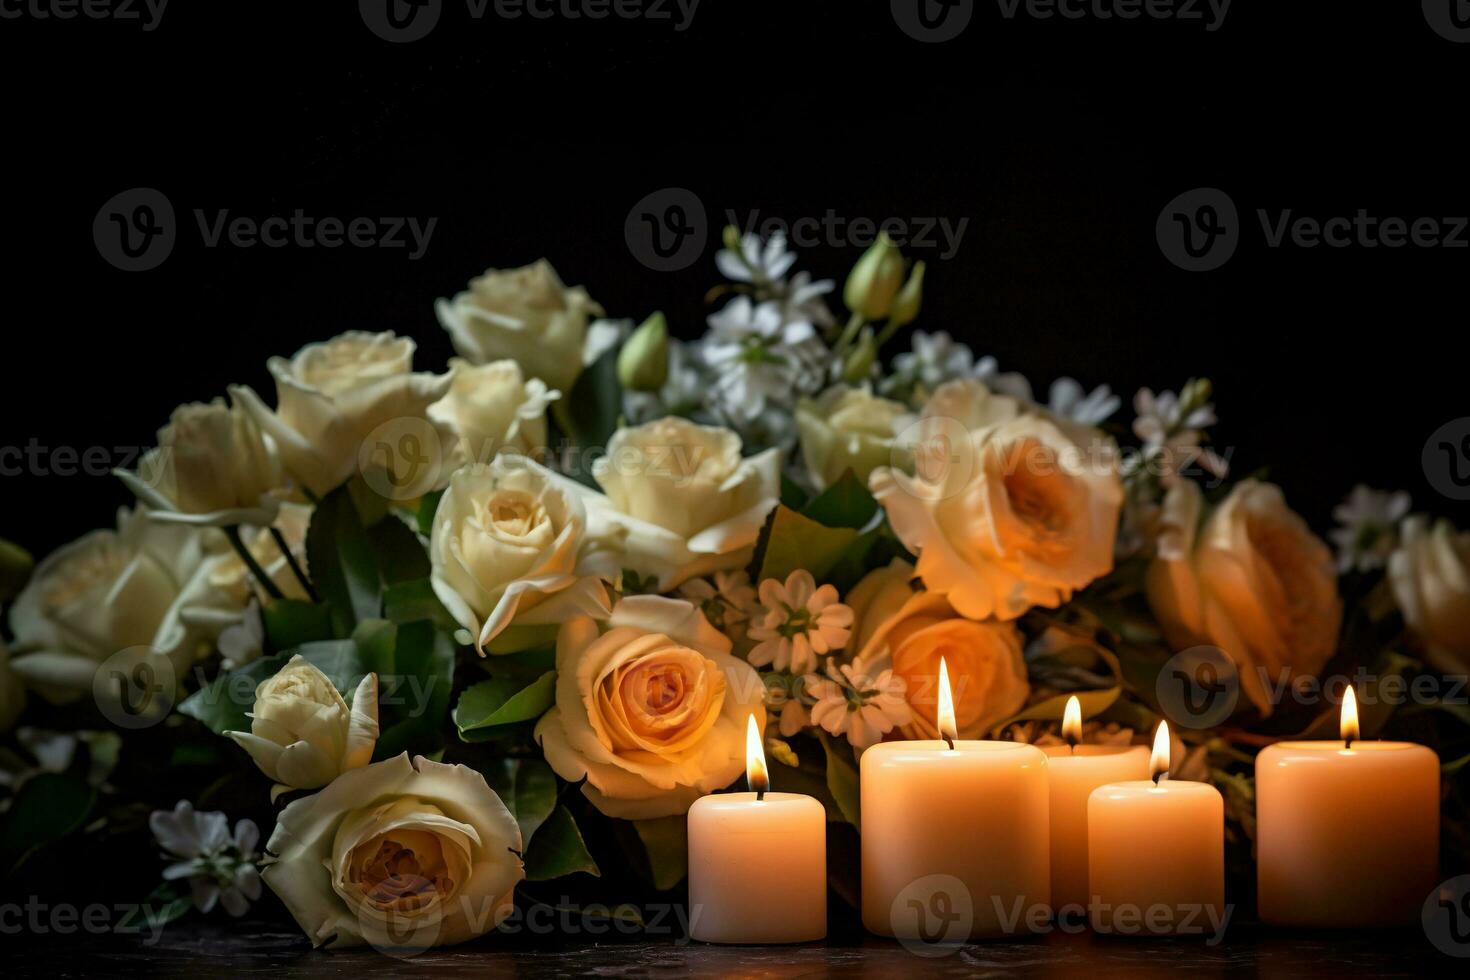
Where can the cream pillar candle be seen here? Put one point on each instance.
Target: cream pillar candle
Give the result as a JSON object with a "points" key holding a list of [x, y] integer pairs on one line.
{"points": [[1156, 854], [954, 836], [1347, 832], [757, 862], [1073, 771]]}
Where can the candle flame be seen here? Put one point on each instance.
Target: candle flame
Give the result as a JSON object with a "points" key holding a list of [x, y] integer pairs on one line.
{"points": [[1349, 724], [1072, 721], [947, 728], [757, 777], [1158, 763]]}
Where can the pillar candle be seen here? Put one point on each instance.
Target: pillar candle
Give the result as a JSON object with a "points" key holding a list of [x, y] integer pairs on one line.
{"points": [[757, 862], [1347, 832], [1073, 771], [1156, 853], [954, 835]]}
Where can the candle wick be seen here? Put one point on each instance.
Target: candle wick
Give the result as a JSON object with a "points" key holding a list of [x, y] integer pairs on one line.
{"points": [[760, 794], [1158, 776], [948, 741], [1347, 743]]}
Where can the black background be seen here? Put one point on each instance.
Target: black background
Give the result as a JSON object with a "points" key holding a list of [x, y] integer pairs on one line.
{"points": [[1058, 141]]}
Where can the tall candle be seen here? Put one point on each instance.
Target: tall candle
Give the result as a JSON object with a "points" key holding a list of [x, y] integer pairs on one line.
{"points": [[757, 861], [1347, 832], [954, 835], [1156, 853], [1073, 771]]}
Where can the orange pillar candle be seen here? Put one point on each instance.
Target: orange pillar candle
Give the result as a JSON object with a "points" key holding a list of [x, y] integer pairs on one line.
{"points": [[1347, 832]]}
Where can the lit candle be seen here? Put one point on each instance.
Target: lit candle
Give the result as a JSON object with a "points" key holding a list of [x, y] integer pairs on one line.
{"points": [[954, 835], [1073, 772], [1347, 832], [757, 861], [1156, 853]]}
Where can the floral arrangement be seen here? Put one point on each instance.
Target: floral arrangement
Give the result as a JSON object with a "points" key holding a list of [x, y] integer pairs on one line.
{"points": [[465, 639]]}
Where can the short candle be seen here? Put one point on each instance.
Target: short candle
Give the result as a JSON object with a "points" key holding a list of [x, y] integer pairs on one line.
{"points": [[1347, 832], [757, 861]]}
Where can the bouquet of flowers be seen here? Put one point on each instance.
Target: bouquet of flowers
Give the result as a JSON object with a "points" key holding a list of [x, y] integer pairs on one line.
{"points": [[448, 636]]}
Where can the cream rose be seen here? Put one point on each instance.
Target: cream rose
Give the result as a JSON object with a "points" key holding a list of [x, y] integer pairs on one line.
{"points": [[651, 711], [1430, 576], [333, 397], [690, 504], [513, 555], [493, 408], [212, 466], [849, 429], [134, 588], [1253, 581], [908, 630], [397, 853], [526, 315], [229, 574], [1008, 509], [302, 733]]}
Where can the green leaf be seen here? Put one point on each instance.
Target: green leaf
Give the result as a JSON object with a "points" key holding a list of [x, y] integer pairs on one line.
{"points": [[792, 495], [488, 708], [292, 622], [1451, 768], [796, 542], [221, 704], [558, 849], [590, 411], [414, 691], [527, 787], [846, 503], [400, 554], [48, 807], [405, 602], [165, 904], [15, 569], [666, 842], [842, 779], [428, 507], [1093, 703], [343, 564]]}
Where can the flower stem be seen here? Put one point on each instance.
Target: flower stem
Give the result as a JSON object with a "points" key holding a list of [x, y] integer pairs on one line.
{"points": [[296, 569], [233, 533]]}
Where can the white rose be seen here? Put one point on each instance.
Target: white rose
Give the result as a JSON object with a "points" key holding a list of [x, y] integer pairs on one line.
{"points": [[849, 429], [1253, 581], [526, 315], [1009, 509], [1430, 576], [212, 466], [302, 733], [493, 408], [651, 712], [397, 853], [513, 556], [331, 397], [690, 504], [229, 574], [136, 587]]}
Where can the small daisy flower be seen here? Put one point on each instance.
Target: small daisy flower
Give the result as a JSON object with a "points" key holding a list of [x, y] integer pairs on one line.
{"points": [[219, 867], [1172, 426], [797, 622], [727, 601], [863, 708], [1368, 531], [1069, 400]]}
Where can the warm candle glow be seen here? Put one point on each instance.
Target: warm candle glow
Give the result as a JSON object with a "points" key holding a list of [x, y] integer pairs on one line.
{"points": [[947, 729], [1158, 763], [1072, 721], [756, 775], [1349, 724]]}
